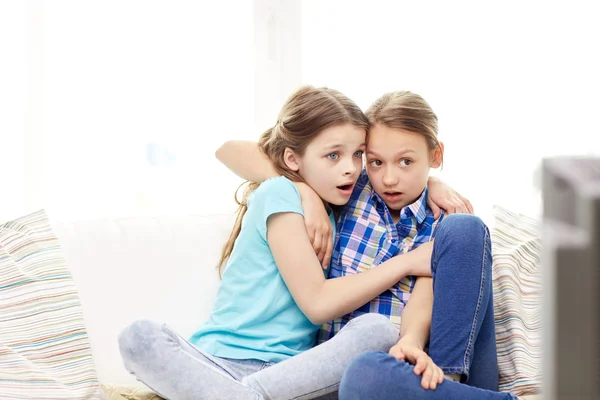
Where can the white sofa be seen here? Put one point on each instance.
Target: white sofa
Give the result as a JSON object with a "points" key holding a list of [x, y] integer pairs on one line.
{"points": [[164, 268], [161, 268]]}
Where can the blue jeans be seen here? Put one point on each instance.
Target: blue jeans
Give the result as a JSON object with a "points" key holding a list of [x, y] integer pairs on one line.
{"points": [[462, 338]]}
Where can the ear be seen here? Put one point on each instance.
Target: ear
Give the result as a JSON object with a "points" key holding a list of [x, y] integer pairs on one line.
{"points": [[438, 154], [291, 159]]}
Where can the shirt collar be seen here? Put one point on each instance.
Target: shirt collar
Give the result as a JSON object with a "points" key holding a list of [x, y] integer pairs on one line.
{"points": [[418, 208]]}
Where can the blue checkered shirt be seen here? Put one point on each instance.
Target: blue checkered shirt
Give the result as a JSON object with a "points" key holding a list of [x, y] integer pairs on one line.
{"points": [[366, 237]]}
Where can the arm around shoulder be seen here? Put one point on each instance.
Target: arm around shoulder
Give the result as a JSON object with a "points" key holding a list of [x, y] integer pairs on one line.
{"points": [[246, 160]]}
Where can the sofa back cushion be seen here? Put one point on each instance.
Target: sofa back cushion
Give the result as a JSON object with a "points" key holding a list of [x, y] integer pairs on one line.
{"points": [[516, 248], [157, 267], [44, 348]]}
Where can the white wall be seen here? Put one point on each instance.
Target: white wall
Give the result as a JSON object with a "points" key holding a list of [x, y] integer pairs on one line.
{"points": [[90, 86], [511, 81], [123, 75], [13, 98]]}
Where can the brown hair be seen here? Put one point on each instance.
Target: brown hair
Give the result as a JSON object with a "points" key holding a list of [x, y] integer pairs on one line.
{"points": [[304, 115], [408, 111]]}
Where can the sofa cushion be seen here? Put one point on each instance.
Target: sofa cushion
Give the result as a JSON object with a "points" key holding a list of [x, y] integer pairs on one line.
{"points": [[44, 347], [516, 246]]}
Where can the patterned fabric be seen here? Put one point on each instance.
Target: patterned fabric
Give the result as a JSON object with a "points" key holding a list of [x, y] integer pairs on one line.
{"points": [[516, 246], [44, 347], [367, 236], [128, 392]]}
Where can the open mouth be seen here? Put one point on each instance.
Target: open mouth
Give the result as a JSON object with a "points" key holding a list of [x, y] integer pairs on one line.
{"points": [[346, 190], [390, 195]]}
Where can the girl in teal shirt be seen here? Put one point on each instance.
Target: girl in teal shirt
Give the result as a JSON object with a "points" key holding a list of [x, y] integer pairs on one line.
{"points": [[258, 342]]}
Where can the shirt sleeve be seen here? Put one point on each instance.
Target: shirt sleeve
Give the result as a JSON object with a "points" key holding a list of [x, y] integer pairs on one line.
{"points": [[276, 195]]}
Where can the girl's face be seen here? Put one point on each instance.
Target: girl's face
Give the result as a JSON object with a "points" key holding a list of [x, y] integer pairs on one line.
{"points": [[398, 163], [332, 162]]}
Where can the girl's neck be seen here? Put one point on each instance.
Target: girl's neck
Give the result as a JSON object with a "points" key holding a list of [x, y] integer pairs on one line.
{"points": [[395, 215]]}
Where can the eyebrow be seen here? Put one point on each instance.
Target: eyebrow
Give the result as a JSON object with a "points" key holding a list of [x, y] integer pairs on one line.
{"points": [[340, 146], [400, 153]]}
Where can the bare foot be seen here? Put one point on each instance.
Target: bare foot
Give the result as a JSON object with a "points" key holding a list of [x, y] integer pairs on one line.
{"points": [[453, 377]]}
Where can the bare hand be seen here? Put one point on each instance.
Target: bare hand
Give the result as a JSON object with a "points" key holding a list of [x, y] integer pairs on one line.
{"points": [[443, 196], [432, 374], [317, 222]]}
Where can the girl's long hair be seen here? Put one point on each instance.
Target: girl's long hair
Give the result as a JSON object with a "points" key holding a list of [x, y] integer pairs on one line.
{"points": [[304, 115]]}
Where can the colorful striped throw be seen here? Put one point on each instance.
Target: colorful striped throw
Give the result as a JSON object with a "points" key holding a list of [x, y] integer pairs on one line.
{"points": [[44, 348], [516, 248]]}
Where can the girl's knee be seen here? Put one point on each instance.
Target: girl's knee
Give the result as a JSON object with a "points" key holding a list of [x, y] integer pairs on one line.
{"points": [[374, 375], [461, 230], [463, 222], [376, 329], [370, 363], [138, 338], [361, 376]]}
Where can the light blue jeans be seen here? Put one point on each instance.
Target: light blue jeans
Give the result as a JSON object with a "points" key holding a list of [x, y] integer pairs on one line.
{"points": [[462, 337], [177, 370]]}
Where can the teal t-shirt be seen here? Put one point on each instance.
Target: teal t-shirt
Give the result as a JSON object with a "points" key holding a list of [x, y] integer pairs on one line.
{"points": [[255, 315]]}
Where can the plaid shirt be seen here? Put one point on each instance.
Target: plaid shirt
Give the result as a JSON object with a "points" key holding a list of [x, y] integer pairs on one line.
{"points": [[366, 237]]}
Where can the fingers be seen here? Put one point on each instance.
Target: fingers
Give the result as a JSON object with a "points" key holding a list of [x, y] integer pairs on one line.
{"points": [[436, 210], [456, 205], [439, 376], [462, 205], [311, 234], [421, 363], [427, 375], [432, 376], [453, 207], [448, 206], [318, 245], [467, 204], [323, 248], [397, 352], [435, 376], [328, 250]]}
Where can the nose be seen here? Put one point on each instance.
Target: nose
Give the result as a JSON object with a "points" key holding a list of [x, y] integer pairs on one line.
{"points": [[349, 167], [389, 179]]}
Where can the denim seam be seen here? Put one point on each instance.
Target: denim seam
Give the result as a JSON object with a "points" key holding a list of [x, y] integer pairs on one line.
{"points": [[434, 254], [478, 308]]}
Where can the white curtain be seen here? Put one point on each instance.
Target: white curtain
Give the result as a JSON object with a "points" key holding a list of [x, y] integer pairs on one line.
{"points": [[115, 108]]}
